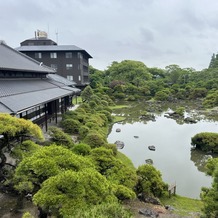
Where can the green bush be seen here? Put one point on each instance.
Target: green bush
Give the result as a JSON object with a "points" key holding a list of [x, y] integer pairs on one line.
{"points": [[82, 149], [83, 131], [60, 138], [211, 100], [92, 104], [70, 126], [107, 114], [94, 139], [119, 95], [124, 193], [161, 96], [150, 181], [104, 103], [206, 141], [180, 111], [113, 147], [105, 210], [113, 169]]}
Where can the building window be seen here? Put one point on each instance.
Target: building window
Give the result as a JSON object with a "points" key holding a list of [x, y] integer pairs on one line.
{"points": [[79, 78], [38, 55], [54, 66], [80, 56], [69, 66], [53, 55], [68, 55], [70, 78]]}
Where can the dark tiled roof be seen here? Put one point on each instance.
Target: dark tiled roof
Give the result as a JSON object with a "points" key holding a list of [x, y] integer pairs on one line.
{"points": [[21, 102], [61, 79], [53, 48], [11, 59], [4, 109], [18, 86]]}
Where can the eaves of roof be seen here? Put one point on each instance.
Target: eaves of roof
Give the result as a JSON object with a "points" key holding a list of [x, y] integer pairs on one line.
{"points": [[28, 48], [13, 60], [20, 102]]}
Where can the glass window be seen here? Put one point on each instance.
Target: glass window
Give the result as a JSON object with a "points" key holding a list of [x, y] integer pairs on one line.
{"points": [[38, 55], [53, 55], [68, 55], [54, 66], [70, 77], [79, 78], [69, 66], [80, 55]]}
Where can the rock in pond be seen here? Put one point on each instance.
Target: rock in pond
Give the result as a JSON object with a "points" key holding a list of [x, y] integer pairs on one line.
{"points": [[151, 147], [190, 120], [149, 161], [119, 144], [118, 130], [136, 137]]}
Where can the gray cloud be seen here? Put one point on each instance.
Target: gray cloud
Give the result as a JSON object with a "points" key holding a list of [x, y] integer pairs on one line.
{"points": [[157, 32]]}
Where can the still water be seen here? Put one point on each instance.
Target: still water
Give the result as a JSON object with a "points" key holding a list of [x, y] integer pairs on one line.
{"points": [[173, 155]]}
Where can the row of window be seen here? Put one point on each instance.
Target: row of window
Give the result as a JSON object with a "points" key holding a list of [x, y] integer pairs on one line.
{"points": [[68, 66], [70, 77], [68, 55]]}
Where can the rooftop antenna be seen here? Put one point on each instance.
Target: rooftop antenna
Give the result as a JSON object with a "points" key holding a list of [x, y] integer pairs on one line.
{"points": [[48, 30], [56, 32]]}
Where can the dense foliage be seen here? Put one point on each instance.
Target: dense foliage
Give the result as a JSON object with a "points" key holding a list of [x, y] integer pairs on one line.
{"points": [[150, 181], [206, 141], [209, 195], [13, 132], [86, 177], [133, 80]]}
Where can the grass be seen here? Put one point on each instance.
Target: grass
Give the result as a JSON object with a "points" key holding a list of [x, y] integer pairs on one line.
{"points": [[117, 119], [125, 160], [183, 206], [118, 107]]}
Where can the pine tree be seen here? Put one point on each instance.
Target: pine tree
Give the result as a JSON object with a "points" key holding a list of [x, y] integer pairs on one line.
{"points": [[214, 61]]}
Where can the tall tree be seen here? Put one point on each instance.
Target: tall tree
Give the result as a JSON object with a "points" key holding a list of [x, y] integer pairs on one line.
{"points": [[213, 61]]}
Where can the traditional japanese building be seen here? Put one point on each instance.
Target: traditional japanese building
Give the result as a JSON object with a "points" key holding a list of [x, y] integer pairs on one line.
{"points": [[31, 90], [69, 61]]}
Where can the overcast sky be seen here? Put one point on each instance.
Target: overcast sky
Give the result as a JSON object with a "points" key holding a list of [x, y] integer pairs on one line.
{"points": [[156, 32]]}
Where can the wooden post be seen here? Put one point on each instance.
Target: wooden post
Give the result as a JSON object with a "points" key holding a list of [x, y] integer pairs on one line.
{"points": [[172, 189]]}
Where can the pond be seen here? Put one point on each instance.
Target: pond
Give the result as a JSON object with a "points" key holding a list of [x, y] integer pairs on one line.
{"points": [[173, 155]]}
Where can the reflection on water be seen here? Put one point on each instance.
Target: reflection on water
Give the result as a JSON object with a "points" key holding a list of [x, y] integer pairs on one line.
{"points": [[173, 155]]}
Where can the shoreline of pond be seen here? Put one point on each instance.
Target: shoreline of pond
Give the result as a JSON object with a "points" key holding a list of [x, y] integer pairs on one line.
{"points": [[133, 117]]}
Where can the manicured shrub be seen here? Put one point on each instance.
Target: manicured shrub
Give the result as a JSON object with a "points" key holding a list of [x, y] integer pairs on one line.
{"points": [[94, 139], [105, 210], [104, 103], [124, 193], [113, 147], [70, 126], [206, 141], [83, 131], [91, 125], [112, 168], [92, 104], [107, 114], [81, 149], [150, 181], [60, 138], [119, 95], [161, 96]]}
